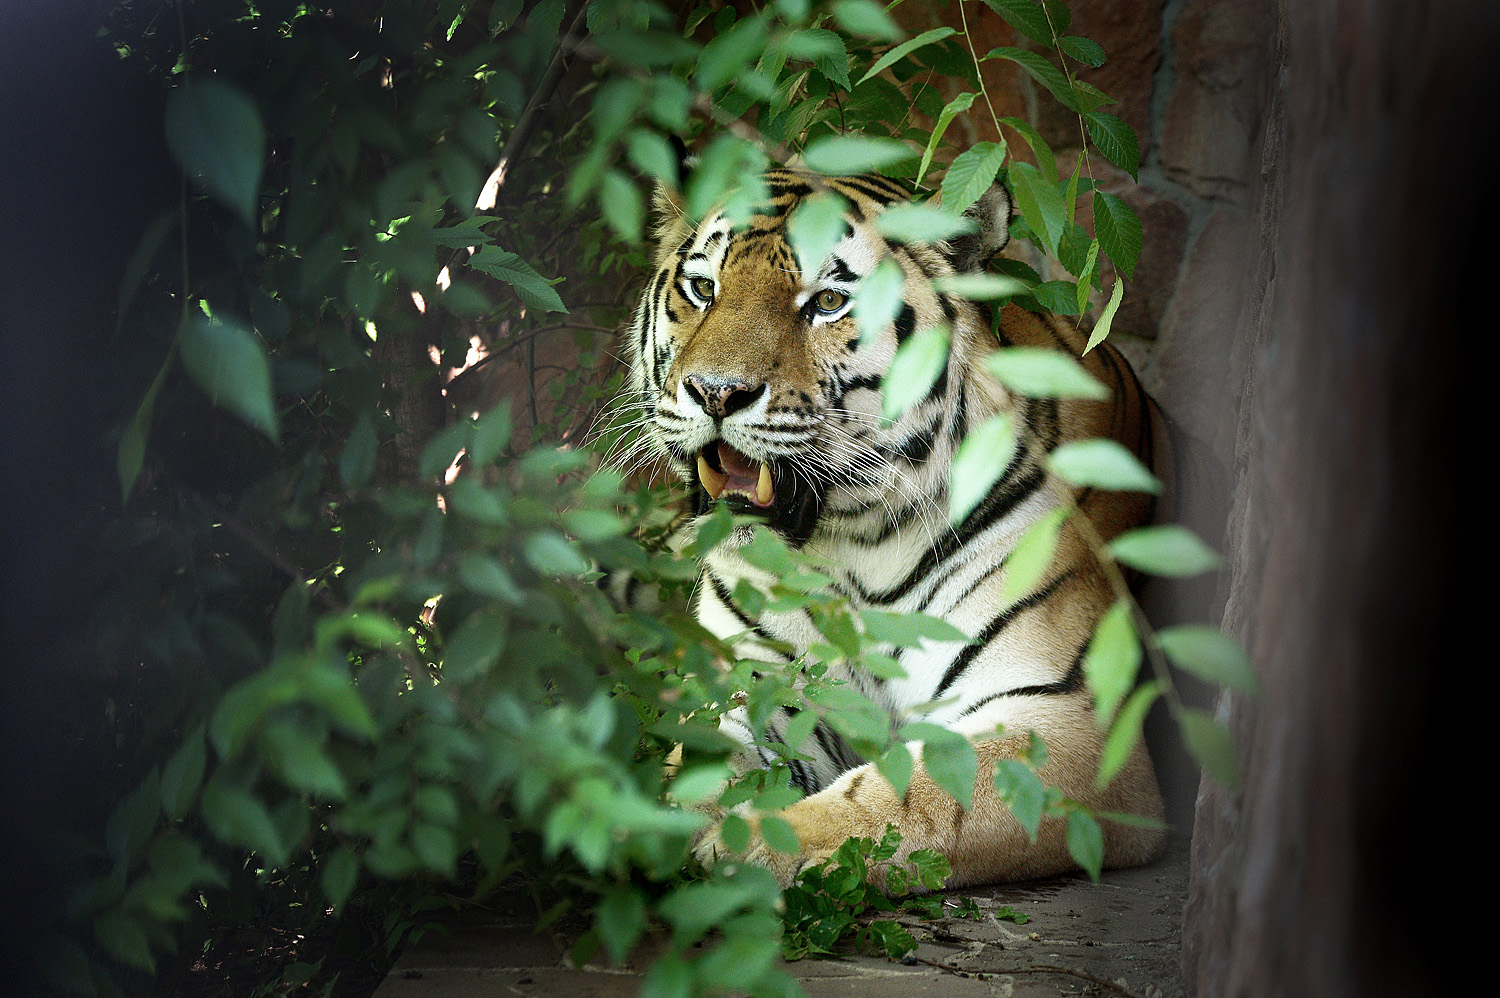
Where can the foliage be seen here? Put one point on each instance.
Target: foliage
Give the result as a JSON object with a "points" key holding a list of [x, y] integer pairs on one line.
{"points": [[353, 649]]}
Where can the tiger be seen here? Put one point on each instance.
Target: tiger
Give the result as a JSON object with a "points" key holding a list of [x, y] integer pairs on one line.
{"points": [[761, 394]]}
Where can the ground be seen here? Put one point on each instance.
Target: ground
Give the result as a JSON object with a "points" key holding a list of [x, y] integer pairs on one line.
{"points": [[1120, 937]]}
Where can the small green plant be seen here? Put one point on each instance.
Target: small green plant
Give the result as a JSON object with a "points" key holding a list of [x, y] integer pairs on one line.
{"points": [[833, 901]]}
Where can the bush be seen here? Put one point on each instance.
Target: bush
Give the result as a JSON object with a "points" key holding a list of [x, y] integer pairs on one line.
{"points": [[356, 648]]}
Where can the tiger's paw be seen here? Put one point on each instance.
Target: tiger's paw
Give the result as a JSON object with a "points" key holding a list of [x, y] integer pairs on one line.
{"points": [[714, 847]]}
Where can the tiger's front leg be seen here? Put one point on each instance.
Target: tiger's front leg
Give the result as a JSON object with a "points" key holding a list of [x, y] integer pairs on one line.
{"points": [[983, 844]]}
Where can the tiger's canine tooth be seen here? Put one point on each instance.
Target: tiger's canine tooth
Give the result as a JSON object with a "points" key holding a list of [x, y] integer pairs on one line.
{"points": [[764, 488], [713, 481]]}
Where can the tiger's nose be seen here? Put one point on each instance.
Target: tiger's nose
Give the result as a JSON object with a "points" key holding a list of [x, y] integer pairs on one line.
{"points": [[721, 397]]}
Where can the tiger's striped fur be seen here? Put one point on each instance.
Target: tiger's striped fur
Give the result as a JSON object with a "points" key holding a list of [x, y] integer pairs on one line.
{"points": [[749, 379]]}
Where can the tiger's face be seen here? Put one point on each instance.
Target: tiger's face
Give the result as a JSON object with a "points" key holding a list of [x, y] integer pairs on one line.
{"points": [[761, 391]]}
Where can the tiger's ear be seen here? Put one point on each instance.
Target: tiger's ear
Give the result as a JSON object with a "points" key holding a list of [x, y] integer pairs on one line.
{"points": [[668, 214], [991, 213]]}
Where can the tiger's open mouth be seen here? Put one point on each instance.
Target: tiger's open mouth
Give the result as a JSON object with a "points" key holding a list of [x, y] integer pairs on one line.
{"points": [[724, 471], [785, 501]]}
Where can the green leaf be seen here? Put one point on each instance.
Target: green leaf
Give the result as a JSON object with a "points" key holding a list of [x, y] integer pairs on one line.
{"points": [[1125, 732], [298, 757], [132, 453], [1029, 559], [1022, 792], [1045, 161], [1168, 550], [1042, 71], [550, 553], [980, 287], [1103, 464], [978, 463], [183, 774], [918, 364], [339, 874], [1025, 16], [215, 134], [240, 819], [1041, 204], [1112, 660], [1119, 231], [1116, 140], [779, 835], [491, 435], [907, 222], [866, 18], [133, 820], [730, 53], [123, 938], [815, 228], [973, 172], [952, 765], [357, 461], [652, 154], [623, 206], [1083, 49], [854, 153], [532, 288], [1086, 843], [950, 111], [1208, 653], [905, 49], [620, 919], [228, 363], [1037, 372], [724, 166], [878, 300], [896, 766], [734, 832], [1211, 744], [475, 646], [1106, 317]]}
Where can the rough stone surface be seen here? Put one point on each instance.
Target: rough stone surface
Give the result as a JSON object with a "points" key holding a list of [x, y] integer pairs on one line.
{"points": [[1214, 112], [1120, 936]]}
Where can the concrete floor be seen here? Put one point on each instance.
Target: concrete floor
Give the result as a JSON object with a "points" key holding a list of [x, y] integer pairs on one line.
{"points": [[1120, 937]]}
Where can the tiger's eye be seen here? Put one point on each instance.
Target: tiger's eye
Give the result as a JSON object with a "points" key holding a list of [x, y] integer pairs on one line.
{"points": [[702, 287], [829, 300]]}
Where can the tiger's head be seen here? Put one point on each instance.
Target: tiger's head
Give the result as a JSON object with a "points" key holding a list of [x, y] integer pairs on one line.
{"points": [[760, 389]]}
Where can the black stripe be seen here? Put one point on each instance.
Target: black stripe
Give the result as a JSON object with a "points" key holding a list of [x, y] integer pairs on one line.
{"points": [[966, 654]]}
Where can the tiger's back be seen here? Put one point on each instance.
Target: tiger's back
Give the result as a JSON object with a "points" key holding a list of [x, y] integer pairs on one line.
{"points": [[764, 395]]}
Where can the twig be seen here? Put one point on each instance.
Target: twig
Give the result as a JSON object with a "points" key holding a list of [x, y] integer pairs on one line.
{"points": [[1036, 968], [526, 124]]}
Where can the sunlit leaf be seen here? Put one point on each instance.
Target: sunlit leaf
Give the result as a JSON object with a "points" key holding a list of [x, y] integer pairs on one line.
{"points": [[1210, 654], [1167, 549], [878, 300], [1036, 372], [1101, 463], [918, 364], [1028, 561], [867, 18], [972, 173], [978, 463], [907, 222], [815, 228], [853, 153], [1125, 732], [1112, 660], [905, 49]]}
